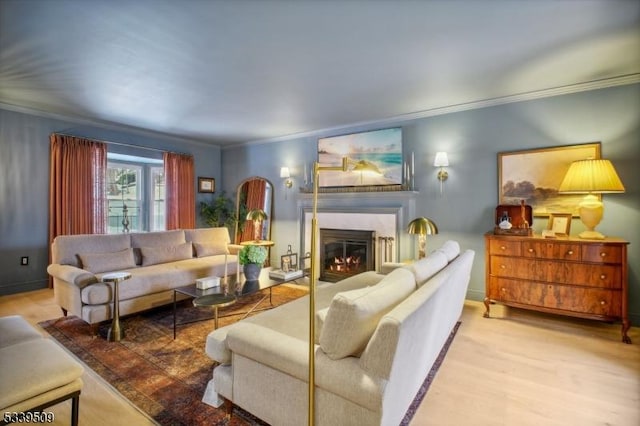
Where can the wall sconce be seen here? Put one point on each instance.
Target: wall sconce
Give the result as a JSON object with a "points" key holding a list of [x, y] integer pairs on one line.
{"points": [[288, 182], [441, 161], [422, 226]]}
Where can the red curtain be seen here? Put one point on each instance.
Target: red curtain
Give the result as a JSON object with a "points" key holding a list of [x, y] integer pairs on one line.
{"points": [[180, 195], [77, 199], [255, 193]]}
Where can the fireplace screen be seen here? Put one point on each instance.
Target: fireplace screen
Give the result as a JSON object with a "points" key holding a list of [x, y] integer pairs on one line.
{"points": [[345, 252]]}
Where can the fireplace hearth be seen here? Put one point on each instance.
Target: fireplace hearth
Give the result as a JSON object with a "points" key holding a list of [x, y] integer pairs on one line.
{"points": [[345, 252]]}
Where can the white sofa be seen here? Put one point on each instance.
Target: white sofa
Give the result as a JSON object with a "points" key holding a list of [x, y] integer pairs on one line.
{"points": [[377, 337], [158, 263]]}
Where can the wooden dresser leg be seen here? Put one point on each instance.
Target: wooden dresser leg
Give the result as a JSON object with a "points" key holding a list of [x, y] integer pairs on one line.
{"points": [[228, 408], [625, 327], [487, 303], [95, 329]]}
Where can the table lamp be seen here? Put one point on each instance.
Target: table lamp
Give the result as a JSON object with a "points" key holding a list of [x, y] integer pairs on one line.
{"points": [[592, 176], [422, 226], [257, 216]]}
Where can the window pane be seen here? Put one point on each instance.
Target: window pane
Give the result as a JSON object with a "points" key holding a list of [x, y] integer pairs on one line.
{"points": [[157, 220], [124, 197]]}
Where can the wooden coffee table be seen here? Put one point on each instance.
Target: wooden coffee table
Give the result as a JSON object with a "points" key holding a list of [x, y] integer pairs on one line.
{"points": [[236, 288]]}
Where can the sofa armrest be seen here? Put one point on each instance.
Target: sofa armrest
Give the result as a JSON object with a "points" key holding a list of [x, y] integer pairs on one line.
{"points": [[72, 275], [289, 355]]}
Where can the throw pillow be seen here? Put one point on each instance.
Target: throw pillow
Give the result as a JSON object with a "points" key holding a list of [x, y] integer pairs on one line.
{"points": [[210, 249], [155, 255], [107, 262], [353, 315], [425, 268]]}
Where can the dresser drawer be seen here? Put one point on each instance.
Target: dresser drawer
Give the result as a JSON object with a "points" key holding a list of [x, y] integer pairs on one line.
{"points": [[602, 253], [565, 298], [582, 274], [548, 250], [505, 248], [514, 267]]}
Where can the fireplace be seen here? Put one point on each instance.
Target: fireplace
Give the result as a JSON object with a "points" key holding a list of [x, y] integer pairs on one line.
{"points": [[345, 252]]}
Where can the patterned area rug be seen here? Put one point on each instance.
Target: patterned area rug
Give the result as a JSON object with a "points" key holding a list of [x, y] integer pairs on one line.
{"points": [[166, 378]]}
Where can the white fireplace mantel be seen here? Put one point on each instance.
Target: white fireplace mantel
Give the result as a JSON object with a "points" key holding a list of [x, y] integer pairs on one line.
{"points": [[386, 213]]}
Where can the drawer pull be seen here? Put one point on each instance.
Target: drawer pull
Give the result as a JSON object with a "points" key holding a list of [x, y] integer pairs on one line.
{"points": [[603, 276], [503, 267], [503, 248], [503, 289], [530, 250], [602, 302], [603, 254], [570, 252]]}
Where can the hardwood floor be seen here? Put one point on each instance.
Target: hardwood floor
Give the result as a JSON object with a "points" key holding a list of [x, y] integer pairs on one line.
{"points": [[516, 368]]}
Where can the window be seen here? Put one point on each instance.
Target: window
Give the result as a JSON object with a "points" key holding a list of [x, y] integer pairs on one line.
{"points": [[135, 194]]}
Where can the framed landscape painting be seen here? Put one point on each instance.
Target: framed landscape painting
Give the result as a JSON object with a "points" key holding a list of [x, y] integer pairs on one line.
{"points": [[535, 176], [376, 158]]}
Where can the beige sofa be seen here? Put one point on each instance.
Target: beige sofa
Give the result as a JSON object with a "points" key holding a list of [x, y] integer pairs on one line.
{"points": [[158, 263], [377, 338]]}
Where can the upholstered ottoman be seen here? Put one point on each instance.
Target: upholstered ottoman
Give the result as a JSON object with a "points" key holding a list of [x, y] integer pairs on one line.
{"points": [[35, 373]]}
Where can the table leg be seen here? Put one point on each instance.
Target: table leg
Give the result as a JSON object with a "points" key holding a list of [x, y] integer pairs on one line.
{"points": [[174, 315], [115, 333]]}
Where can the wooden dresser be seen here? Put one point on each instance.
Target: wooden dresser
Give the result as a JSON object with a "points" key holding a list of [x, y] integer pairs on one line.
{"points": [[567, 276]]}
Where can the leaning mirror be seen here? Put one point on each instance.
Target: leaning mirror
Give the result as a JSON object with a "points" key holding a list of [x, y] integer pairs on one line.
{"points": [[253, 193]]}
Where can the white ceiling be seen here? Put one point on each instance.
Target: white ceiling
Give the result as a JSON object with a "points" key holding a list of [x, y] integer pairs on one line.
{"points": [[235, 71]]}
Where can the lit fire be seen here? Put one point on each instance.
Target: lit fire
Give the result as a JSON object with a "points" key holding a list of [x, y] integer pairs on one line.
{"points": [[345, 264]]}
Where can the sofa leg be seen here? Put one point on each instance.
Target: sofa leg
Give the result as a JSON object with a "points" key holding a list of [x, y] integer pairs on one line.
{"points": [[228, 408], [64, 312]]}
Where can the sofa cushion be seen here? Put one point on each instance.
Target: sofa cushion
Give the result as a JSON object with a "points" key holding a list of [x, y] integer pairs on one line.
{"points": [[208, 235], [210, 249], [155, 255], [65, 248], [427, 267], [155, 239], [107, 262], [451, 249], [353, 315]]}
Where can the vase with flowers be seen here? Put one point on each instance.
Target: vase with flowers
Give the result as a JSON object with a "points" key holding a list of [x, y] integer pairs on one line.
{"points": [[252, 258]]}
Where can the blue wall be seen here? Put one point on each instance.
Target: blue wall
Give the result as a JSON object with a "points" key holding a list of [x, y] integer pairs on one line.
{"points": [[464, 212], [473, 139], [24, 186]]}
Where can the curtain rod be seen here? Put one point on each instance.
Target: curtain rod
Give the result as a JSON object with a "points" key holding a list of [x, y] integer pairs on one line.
{"points": [[121, 143]]}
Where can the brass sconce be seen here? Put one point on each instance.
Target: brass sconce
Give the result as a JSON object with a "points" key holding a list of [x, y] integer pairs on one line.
{"points": [[288, 182], [441, 161]]}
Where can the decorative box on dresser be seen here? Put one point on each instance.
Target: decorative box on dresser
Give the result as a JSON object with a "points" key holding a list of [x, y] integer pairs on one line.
{"points": [[567, 276]]}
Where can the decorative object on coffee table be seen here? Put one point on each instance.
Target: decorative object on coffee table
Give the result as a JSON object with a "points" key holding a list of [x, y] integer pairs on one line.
{"points": [[422, 226], [115, 333]]}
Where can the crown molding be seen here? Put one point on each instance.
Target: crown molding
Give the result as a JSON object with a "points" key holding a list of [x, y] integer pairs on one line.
{"points": [[485, 103]]}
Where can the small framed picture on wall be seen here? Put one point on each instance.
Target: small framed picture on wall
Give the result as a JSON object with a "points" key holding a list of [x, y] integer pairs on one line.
{"points": [[206, 184]]}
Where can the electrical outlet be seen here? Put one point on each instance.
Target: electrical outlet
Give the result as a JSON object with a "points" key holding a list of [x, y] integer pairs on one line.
{"points": [[24, 260]]}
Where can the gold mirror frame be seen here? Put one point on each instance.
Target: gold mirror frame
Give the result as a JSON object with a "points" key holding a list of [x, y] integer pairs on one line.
{"points": [[242, 208]]}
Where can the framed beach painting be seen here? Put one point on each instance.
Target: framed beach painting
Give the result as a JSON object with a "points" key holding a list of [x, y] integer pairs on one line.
{"points": [[535, 176], [375, 157]]}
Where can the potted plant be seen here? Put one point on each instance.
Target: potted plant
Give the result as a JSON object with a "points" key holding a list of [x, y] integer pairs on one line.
{"points": [[252, 258]]}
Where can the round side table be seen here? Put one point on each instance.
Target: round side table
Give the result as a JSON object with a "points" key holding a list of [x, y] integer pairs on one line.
{"points": [[215, 301], [115, 333]]}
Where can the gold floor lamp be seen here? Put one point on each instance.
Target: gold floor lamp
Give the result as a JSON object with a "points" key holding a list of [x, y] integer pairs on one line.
{"points": [[317, 168]]}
